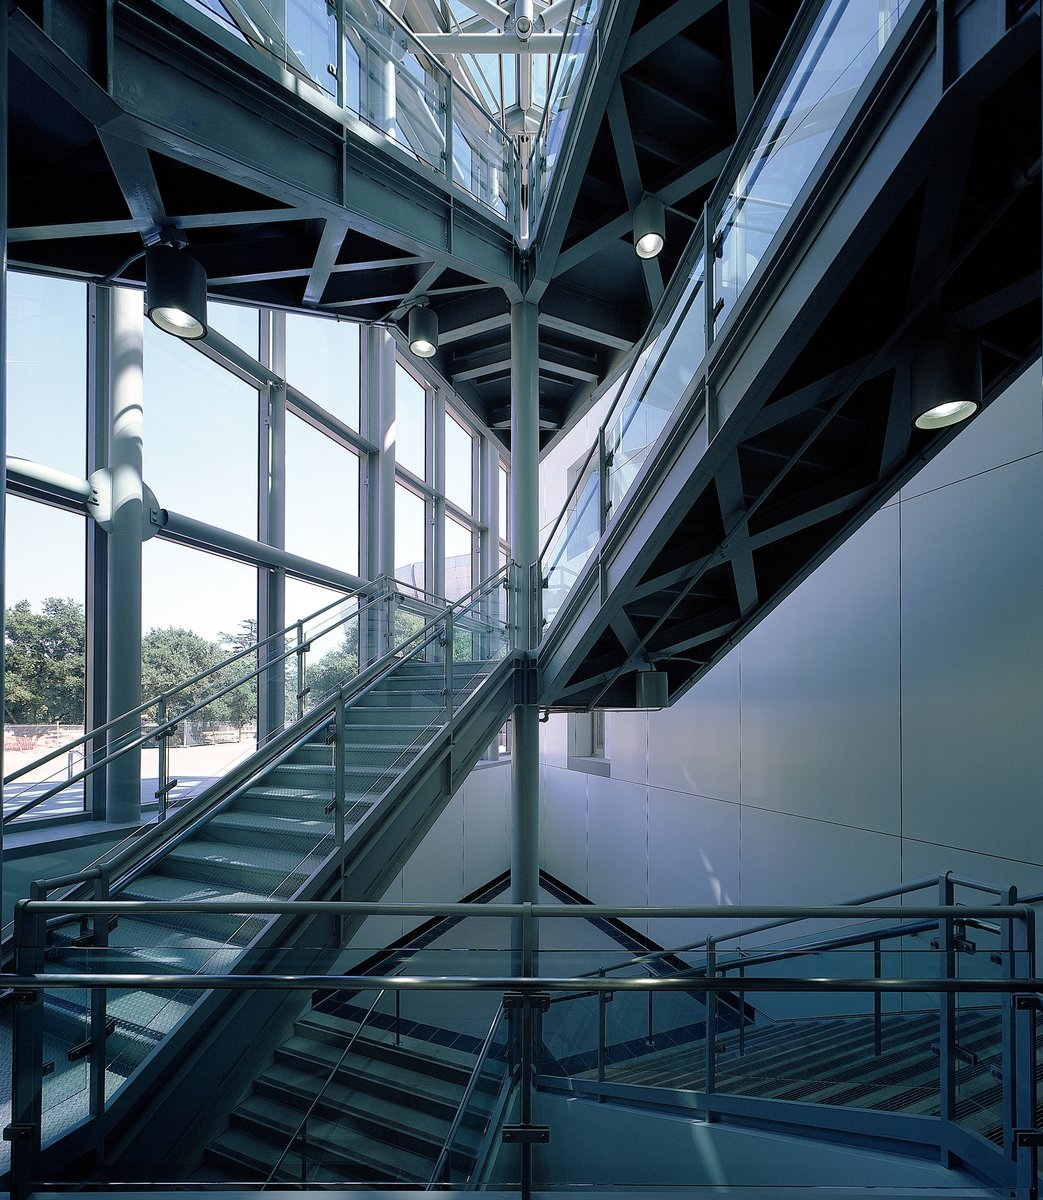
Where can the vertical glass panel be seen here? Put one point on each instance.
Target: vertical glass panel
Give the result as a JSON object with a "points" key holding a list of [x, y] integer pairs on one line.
{"points": [[458, 555], [459, 464], [237, 322], [410, 424], [47, 371], [847, 38], [322, 498], [200, 435], [410, 537], [503, 503], [322, 361], [45, 651], [311, 39], [332, 638], [197, 609]]}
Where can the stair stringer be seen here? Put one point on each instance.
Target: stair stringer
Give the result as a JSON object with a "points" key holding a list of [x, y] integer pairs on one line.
{"points": [[193, 1076]]}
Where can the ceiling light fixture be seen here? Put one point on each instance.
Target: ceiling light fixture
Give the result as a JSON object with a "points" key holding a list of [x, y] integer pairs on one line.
{"points": [[175, 292], [423, 331], [945, 384], [649, 227]]}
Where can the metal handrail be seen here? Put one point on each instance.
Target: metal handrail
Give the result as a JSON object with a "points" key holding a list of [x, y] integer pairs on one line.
{"points": [[904, 889], [472, 1083], [171, 723], [322, 1091], [98, 730], [124, 855], [696, 247]]}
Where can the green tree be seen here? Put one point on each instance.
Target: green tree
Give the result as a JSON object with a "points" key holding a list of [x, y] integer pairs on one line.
{"points": [[45, 662], [239, 706], [171, 656]]}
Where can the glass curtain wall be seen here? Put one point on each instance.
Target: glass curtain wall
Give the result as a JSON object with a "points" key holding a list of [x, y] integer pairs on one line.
{"points": [[237, 462]]}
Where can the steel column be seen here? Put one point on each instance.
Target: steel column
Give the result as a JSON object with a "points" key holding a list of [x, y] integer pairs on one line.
{"points": [[271, 581], [380, 396], [124, 591], [98, 420], [3, 359], [524, 499]]}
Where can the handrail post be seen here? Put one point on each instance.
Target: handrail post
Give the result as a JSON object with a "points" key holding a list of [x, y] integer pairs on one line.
{"points": [[339, 771], [30, 932], [603, 1002], [947, 1013], [99, 1006], [1019, 1069], [447, 81], [742, 1013], [878, 1000], [164, 785], [604, 495], [302, 669], [711, 1024], [448, 663]]}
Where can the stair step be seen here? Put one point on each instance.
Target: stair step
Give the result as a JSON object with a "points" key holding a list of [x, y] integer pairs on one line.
{"points": [[307, 803], [265, 868], [444, 1062], [416, 1129], [429, 1093], [247, 1157], [232, 929], [251, 829], [334, 1144]]}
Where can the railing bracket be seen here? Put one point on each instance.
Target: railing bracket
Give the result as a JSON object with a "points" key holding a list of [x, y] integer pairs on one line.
{"points": [[84, 1048], [1028, 1002], [18, 1133], [526, 1133]]}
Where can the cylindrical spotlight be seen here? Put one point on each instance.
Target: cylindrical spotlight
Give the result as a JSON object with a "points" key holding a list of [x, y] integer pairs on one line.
{"points": [[945, 384], [175, 292], [649, 227], [423, 331]]}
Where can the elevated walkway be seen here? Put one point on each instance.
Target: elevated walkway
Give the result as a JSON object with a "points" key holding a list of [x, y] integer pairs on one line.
{"points": [[867, 214]]}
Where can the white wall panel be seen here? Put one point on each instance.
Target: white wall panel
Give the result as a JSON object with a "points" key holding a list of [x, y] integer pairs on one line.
{"points": [[436, 871], [486, 823], [564, 831], [692, 859], [694, 746], [616, 841], [626, 739], [820, 722], [972, 662]]}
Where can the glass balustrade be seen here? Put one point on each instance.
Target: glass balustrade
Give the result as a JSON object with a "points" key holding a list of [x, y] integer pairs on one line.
{"points": [[768, 172]]}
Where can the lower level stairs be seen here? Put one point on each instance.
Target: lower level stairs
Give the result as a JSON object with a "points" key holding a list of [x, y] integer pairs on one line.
{"points": [[833, 1060], [379, 1113]]}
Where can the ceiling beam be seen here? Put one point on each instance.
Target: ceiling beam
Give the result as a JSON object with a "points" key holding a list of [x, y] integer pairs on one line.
{"points": [[663, 28], [740, 37], [333, 235], [491, 43]]}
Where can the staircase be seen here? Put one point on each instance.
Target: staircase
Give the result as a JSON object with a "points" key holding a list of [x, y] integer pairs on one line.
{"points": [[833, 1061], [381, 1112], [277, 828]]}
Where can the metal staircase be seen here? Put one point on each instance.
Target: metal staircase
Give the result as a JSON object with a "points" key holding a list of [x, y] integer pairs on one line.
{"points": [[351, 1097], [332, 807]]}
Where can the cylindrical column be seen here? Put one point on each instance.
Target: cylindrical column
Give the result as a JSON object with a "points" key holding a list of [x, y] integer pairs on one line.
{"points": [[124, 592], [379, 376], [524, 500], [3, 359], [271, 580]]}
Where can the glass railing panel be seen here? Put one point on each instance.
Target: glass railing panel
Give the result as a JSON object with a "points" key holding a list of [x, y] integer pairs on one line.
{"points": [[481, 155], [311, 40], [655, 390], [576, 537], [579, 41], [847, 39], [393, 85]]}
